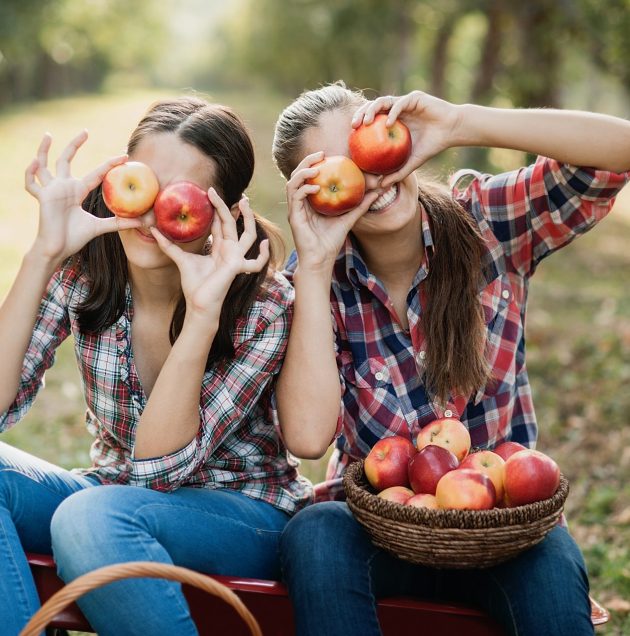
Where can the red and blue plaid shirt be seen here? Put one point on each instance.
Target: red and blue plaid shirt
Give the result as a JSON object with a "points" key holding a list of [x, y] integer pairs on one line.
{"points": [[524, 216], [237, 445]]}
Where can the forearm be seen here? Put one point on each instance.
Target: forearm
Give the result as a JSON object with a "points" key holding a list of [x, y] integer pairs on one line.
{"points": [[579, 138], [171, 419], [18, 314], [308, 390]]}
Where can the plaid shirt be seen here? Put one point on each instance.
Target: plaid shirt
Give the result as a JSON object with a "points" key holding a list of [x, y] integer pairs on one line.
{"points": [[237, 445], [523, 216]]}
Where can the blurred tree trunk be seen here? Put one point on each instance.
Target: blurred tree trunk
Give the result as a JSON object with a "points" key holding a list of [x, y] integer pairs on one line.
{"points": [[439, 57]]}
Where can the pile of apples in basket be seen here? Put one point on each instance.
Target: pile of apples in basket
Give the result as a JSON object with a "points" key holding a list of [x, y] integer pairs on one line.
{"points": [[441, 472]]}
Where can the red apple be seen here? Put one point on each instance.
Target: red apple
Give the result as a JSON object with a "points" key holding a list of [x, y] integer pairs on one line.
{"points": [[427, 467], [341, 186], [379, 149], [447, 432], [423, 500], [465, 489], [183, 211], [529, 476], [129, 189], [399, 494], [386, 463], [507, 449], [489, 463]]}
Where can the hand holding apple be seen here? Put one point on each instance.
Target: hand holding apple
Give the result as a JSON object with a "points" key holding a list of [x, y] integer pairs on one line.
{"points": [[379, 148], [387, 463], [129, 189], [64, 226], [341, 186]]}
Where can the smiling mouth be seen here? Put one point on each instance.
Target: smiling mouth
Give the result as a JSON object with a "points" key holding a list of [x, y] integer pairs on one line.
{"points": [[387, 198]]}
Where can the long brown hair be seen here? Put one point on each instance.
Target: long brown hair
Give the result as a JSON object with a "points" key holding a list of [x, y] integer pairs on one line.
{"points": [[220, 134], [453, 320]]}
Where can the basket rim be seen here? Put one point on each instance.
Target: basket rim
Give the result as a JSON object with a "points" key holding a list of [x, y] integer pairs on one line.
{"points": [[360, 494]]}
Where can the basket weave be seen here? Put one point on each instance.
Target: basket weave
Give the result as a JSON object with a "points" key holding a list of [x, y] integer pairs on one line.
{"points": [[133, 569], [454, 539]]}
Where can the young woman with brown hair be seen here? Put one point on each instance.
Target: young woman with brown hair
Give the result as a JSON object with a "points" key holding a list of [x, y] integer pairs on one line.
{"points": [[428, 289], [178, 346]]}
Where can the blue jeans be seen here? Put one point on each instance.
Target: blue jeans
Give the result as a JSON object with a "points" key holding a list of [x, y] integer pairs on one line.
{"points": [[334, 574], [43, 507]]}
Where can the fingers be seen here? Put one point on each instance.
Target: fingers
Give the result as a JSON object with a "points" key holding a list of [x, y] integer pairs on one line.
{"points": [[173, 251], [42, 173], [296, 187], [97, 175], [66, 157], [115, 224], [308, 161], [228, 224], [365, 114], [30, 184], [256, 264]]}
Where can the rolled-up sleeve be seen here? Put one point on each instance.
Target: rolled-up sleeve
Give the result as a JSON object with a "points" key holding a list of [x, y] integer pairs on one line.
{"points": [[52, 327], [538, 209]]}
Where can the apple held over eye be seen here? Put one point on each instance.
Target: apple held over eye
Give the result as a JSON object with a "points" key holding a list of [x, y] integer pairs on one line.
{"points": [[183, 211], [507, 449], [387, 462], [378, 149], [398, 494], [129, 189], [489, 463], [529, 476], [341, 186], [465, 489], [448, 433], [427, 467]]}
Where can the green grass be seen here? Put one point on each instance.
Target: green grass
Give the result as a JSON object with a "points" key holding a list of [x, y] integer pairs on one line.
{"points": [[578, 330]]}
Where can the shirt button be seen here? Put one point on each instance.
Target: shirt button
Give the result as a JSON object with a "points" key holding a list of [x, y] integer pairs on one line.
{"points": [[379, 376], [505, 293], [422, 355], [448, 413]]}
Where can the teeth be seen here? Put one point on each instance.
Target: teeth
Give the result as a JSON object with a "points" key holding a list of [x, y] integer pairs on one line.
{"points": [[385, 199]]}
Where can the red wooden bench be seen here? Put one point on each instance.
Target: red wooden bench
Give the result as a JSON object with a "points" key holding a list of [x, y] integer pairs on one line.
{"points": [[269, 603]]}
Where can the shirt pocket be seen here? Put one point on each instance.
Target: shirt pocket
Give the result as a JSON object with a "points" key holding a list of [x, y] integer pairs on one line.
{"points": [[497, 301]]}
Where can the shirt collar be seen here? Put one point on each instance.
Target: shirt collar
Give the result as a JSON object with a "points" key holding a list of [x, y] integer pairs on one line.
{"points": [[356, 270]]}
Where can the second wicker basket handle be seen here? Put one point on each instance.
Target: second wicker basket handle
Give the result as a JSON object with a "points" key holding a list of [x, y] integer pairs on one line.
{"points": [[135, 569]]}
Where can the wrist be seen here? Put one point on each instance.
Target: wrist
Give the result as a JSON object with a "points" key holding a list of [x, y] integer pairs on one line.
{"points": [[318, 274], [38, 261]]}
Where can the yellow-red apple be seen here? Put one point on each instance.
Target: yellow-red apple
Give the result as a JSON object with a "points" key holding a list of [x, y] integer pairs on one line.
{"points": [[448, 433], [488, 462], [183, 211], [380, 149], [129, 189], [423, 500], [398, 494], [529, 476], [341, 186], [428, 466], [387, 462], [465, 489]]}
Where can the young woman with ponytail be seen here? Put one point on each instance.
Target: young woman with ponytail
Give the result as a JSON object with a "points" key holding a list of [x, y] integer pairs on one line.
{"points": [[179, 346], [428, 289]]}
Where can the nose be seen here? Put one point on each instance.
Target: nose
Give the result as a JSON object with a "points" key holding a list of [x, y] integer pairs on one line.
{"points": [[148, 219], [372, 181]]}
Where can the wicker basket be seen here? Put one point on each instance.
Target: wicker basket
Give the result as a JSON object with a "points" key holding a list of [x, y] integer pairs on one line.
{"points": [[135, 569], [454, 539]]}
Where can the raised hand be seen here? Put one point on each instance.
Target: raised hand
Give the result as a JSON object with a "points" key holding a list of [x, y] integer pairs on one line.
{"points": [[318, 238], [206, 278], [64, 227], [432, 123]]}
